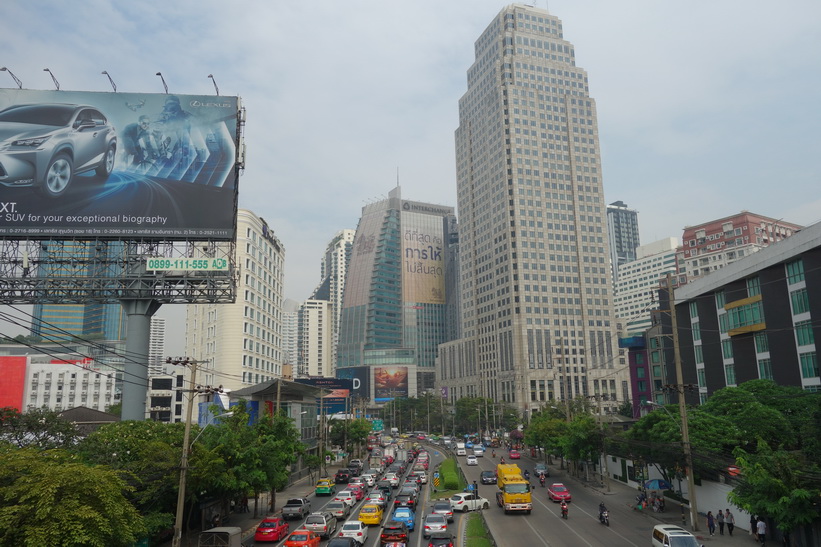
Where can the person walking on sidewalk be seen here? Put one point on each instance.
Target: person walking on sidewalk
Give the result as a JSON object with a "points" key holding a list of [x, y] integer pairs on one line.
{"points": [[711, 523], [730, 520], [753, 524], [761, 529], [720, 521]]}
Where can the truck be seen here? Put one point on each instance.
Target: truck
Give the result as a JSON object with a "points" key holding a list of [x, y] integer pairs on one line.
{"points": [[402, 455], [514, 491], [460, 449], [296, 508], [224, 536]]}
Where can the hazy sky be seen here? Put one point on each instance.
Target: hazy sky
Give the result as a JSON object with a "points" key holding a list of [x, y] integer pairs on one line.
{"points": [[705, 107]]}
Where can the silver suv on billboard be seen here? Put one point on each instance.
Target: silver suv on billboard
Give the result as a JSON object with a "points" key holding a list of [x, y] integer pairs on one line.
{"points": [[45, 145]]}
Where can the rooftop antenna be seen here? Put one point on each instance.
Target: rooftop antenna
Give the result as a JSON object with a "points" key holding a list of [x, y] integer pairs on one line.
{"points": [[53, 79], [110, 80], [163, 82], [215, 83], [16, 79]]}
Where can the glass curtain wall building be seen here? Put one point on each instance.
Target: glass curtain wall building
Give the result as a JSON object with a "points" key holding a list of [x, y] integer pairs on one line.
{"points": [[536, 291], [394, 295]]}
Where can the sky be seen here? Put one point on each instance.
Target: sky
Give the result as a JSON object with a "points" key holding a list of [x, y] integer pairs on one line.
{"points": [[705, 108]]}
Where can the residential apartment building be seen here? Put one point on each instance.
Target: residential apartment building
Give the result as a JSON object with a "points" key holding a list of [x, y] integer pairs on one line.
{"points": [[315, 344], [240, 344], [710, 246], [623, 234], [536, 289], [156, 347]]}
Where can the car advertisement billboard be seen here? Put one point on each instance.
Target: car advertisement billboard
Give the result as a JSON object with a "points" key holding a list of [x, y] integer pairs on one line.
{"points": [[117, 165]]}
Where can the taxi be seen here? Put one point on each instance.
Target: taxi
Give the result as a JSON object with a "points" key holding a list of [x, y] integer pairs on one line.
{"points": [[271, 529], [370, 514], [325, 487]]}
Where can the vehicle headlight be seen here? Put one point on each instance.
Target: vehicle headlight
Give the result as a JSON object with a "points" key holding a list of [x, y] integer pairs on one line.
{"points": [[36, 141]]}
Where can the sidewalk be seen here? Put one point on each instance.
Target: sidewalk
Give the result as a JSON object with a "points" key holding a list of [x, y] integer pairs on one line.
{"points": [[302, 488]]}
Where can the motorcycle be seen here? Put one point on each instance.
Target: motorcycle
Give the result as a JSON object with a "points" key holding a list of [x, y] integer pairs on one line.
{"points": [[494, 454], [564, 511], [604, 518], [541, 480]]}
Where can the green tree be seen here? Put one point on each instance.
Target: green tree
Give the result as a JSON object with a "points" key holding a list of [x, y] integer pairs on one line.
{"points": [[752, 418], [41, 428], [50, 498]]}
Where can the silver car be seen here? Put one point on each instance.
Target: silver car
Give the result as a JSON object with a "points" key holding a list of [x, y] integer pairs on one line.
{"points": [[45, 145], [434, 523]]}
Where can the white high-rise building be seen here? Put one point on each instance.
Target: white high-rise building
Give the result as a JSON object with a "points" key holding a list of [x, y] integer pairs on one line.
{"points": [[637, 287], [536, 290], [290, 335], [240, 344], [316, 339], [156, 347]]}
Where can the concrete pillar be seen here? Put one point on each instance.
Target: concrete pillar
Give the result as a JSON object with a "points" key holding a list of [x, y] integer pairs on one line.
{"points": [[135, 377]]}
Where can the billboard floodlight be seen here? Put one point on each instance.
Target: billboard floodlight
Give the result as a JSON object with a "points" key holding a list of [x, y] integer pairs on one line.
{"points": [[113, 85], [215, 83], [53, 79], [163, 82], [16, 79]]}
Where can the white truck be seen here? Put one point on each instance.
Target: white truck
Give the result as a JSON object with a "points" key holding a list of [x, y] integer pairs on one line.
{"points": [[460, 449]]}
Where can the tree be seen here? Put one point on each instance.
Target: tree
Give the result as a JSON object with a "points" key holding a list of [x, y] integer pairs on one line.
{"points": [[51, 498], [752, 418], [41, 428]]}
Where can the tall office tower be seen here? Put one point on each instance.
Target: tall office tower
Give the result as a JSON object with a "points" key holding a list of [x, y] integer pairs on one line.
{"points": [[536, 294], [156, 347], [710, 246], [623, 235], [394, 308], [290, 334], [637, 288], [53, 322], [240, 344], [315, 341], [334, 270]]}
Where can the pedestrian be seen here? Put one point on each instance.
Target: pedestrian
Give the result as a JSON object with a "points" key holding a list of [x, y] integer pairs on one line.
{"points": [[729, 518], [711, 522], [761, 529], [753, 526], [720, 521]]}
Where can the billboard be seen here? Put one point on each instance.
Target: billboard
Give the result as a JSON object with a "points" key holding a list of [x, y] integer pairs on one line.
{"points": [[390, 383], [13, 370], [339, 393], [117, 165], [360, 378], [423, 260]]}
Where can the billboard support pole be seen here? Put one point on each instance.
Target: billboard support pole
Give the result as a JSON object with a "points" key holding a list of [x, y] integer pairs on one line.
{"points": [[135, 384]]}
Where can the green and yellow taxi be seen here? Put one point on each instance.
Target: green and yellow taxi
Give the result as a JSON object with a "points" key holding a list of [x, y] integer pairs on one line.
{"points": [[325, 487], [370, 514]]}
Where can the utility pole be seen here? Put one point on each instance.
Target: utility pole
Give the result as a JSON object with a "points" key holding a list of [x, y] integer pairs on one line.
{"points": [[682, 407], [177, 540]]}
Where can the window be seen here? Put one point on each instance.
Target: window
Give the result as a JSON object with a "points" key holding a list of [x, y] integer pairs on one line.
{"points": [[693, 309], [762, 345], [702, 379], [803, 333], [800, 302], [729, 374], [727, 349], [655, 356], [753, 286], [640, 372], [699, 354], [639, 358], [809, 365], [795, 271], [656, 371], [720, 299], [745, 315], [696, 331]]}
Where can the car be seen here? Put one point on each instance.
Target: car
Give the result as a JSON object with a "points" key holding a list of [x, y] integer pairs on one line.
{"points": [[541, 469], [434, 523], [411, 486], [407, 500], [469, 445], [423, 477], [347, 496], [356, 466], [271, 529], [368, 478], [558, 492], [393, 479], [339, 509], [358, 490], [325, 487], [387, 490], [394, 532], [371, 513], [668, 535], [342, 476], [406, 515], [302, 538], [488, 477], [378, 497], [471, 460], [479, 451], [440, 539], [357, 480], [514, 455], [321, 522], [342, 542], [43, 146], [467, 501], [443, 508], [355, 530]]}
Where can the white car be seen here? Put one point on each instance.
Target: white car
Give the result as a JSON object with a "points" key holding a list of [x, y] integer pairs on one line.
{"points": [[357, 480], [479, 451], [471, 460], [392, 478], [354, 529], [466, 501], [346, 496], [369, 479]]}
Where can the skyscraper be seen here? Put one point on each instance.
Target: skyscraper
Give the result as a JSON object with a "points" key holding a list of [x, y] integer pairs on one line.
{"points": [[394, 309], [623, 235], [536, 296]]}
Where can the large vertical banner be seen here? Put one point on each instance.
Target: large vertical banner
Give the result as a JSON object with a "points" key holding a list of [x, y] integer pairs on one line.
{"points": [[13, 371], [117, 165], [423, 258]]}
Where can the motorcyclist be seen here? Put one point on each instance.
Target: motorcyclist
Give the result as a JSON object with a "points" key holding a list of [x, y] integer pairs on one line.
{"points": [[541, 479], [602, 509], [527, 475], [493, 453], [503, 459], [564, 508]]}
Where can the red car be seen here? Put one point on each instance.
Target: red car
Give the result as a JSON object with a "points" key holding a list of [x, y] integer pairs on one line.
{"points": [[514, 455], [271, 529], [302, 538], [558, 492], [357, 491]]}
